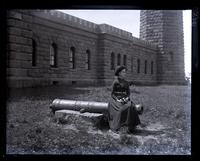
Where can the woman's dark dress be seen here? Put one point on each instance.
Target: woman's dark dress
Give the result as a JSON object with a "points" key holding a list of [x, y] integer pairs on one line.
{"points": [[121, 114]]}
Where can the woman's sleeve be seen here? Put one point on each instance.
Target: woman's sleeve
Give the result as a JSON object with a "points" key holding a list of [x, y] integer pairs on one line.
{"points": [[128, 89]]}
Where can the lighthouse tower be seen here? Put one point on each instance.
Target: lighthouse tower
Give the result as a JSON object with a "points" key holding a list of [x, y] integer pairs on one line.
{"points": [[165, 29]]}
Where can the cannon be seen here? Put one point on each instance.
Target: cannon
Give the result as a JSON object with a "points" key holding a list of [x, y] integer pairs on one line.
{"points": [[82, 106], [85, 106]]}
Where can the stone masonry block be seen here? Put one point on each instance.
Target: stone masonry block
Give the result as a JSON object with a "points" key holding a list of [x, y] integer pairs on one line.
{"points": [[75, 117]]}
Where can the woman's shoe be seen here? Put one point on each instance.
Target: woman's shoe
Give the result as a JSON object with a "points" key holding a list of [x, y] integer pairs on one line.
{"points": [[142, 125]]}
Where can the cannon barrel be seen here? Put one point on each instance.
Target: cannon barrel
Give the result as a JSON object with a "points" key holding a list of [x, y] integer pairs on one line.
{"points": [[85, 106]]}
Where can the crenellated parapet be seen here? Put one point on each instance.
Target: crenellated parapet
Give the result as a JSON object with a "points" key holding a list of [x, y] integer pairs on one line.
{"points": [[65, 19], [104, 28]]}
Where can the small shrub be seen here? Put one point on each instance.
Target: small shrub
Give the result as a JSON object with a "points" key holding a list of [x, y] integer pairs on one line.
{"points": [[62, 120], [38, 130]]}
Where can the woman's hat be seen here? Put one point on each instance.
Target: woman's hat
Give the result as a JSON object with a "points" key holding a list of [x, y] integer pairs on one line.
{"points": [[119, 69]]}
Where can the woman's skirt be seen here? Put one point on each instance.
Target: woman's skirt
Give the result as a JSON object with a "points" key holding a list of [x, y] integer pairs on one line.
{"points": [[122, 114]]}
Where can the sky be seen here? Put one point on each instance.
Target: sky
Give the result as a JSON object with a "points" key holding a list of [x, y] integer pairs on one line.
{"points": [[129, 20]]}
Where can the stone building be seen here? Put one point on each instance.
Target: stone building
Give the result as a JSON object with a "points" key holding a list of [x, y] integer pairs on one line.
{"points": [[50, 47]]}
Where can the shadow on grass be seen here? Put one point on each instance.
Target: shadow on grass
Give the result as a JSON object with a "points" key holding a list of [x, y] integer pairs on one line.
{"points": [[104, 126], [43, 93], [144, 132]]}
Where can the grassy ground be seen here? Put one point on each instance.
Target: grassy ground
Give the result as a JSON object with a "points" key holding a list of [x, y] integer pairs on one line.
{"points": [[31, 129]]}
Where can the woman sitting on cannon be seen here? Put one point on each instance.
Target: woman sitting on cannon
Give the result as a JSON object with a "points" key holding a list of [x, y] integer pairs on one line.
{"points": [[121, 110]]}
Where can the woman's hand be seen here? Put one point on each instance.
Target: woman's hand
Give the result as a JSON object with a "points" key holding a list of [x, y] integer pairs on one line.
{"points": [[124, 100], [120, 100]]}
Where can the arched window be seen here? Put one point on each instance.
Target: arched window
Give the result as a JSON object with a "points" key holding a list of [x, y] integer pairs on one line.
{"points": [[118, 59], [53, 55], [131, 64], [152, 67], [34, 56], [112, 61], [145, 67], [124, 61], [138, 65], [88, 59], [72, 57], [170, 56]]}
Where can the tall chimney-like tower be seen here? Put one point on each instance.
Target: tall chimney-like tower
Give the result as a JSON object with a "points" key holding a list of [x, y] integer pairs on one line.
{"points": [[165, 29]]}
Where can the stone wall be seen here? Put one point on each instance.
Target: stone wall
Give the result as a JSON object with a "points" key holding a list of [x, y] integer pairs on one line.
{"points": [[133, 49], [49, 26], [42, 27]]}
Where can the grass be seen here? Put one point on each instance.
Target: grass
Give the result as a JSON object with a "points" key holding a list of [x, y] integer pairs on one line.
{"points": [[32, 129]]}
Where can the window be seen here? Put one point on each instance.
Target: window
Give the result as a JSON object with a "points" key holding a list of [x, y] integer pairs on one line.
{"points": [[34, 58], [118, 59], [72, 58], [131, 64], [88, 59], [53, 55], [170, 56], [152, 67], [124, 60], [112, 61], [145, 67], [138, 65]]}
